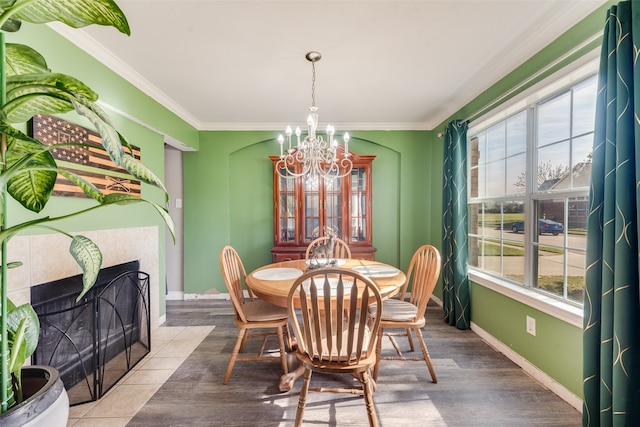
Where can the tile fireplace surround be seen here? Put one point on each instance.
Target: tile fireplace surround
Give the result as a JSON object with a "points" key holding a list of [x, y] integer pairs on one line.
{"points": [[45, 258]]}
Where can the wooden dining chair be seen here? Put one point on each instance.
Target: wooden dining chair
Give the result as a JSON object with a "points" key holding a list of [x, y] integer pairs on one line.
{"points": [[336, 334], [422, 276], [340, 249], [251, 314]]}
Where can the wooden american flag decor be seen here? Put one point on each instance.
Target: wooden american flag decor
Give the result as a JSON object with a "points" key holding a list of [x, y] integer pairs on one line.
{"points": [[52, 130]]}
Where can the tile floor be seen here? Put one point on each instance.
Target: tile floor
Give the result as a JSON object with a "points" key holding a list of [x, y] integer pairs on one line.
{"points": [[171, 345]]}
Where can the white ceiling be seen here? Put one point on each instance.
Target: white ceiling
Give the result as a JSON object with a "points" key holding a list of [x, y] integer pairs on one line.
{"points": [[240, 65]]}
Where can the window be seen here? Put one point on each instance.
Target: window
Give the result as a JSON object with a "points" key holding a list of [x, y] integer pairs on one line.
{"points": [[528, 192]]}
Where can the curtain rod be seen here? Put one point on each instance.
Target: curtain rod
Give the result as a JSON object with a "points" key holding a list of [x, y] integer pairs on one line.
{"points": [[525, 82]]}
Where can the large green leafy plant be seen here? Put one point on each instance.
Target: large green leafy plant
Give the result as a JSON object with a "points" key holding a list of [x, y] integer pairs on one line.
{"points": [[28, 170]]}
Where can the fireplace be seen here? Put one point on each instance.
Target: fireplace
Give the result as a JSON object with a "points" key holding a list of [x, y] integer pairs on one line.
{"points": [[94, 342]]}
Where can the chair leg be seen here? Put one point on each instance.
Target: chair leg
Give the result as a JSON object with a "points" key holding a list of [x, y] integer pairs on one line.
{"points": [[378, 354], [287, 337], [242, 334], [368, 398], [425, 354], [303, 397], [410, 338], [244, 340], [283, 353]]}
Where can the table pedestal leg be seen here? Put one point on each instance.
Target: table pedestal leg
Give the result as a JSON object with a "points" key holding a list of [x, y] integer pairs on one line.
{"points": [[287, 380]]}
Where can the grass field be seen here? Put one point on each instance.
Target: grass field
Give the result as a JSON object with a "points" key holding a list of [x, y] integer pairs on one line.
{"points": [[492, 248]]}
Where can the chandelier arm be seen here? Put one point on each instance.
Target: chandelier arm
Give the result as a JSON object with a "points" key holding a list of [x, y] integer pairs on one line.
{"points": [[284, 163]]}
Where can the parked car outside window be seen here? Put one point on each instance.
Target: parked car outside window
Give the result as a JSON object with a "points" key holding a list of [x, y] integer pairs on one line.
{"points": [[544, 226]]}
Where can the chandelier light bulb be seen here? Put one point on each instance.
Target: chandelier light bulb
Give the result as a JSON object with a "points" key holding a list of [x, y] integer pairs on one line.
{"points": [[346, 144], [288, 132], [281, 141]]}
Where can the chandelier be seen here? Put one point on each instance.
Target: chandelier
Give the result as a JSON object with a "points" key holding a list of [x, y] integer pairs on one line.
{"points": [[315, 156]]}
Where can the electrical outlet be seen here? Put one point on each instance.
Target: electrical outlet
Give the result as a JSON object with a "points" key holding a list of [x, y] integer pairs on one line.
{"points": [[531, 325]]}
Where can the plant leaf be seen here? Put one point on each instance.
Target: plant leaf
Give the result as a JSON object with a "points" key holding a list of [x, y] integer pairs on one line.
{"points": [[22, 322], [14, 134], [141, 172], [44, 93], [31, 188], [23, 332], [87, 188], [110, 136], [167, 220], [88, 256], [74, 13], [11, 25], [101, 116], [22, 59]]}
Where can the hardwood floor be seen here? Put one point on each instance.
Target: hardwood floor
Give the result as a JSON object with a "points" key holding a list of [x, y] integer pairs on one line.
{"points": [[477, 386]]}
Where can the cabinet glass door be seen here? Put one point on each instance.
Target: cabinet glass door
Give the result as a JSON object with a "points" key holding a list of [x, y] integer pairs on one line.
{"points": [[333, 204], [287, 209], [358, 204], [312, 211]]}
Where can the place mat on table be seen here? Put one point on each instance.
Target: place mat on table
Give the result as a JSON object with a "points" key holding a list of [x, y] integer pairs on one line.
{"points": [[277, 273], [376, 270], [333, 285]]}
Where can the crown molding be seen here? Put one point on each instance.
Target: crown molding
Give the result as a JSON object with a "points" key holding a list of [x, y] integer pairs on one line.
{"points": [[98, 51]]}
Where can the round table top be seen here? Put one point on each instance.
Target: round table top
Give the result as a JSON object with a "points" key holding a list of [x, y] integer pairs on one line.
{"points": [[272, 282]]}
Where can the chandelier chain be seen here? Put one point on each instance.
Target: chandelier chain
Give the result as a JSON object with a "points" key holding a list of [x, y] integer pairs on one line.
{"points": [[313, 84]]}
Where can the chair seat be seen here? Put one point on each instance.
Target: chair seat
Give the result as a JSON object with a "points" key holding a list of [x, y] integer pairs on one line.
{"points": [[334, 367], [261, 311], [396, 311]]}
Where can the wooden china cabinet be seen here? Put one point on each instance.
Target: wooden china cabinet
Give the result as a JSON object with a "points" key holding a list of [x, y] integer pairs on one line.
{"points": [[301, 210]]}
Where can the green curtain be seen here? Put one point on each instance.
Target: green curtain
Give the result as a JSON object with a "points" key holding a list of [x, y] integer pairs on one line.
{"points": [[611, 337], [455, 280]]}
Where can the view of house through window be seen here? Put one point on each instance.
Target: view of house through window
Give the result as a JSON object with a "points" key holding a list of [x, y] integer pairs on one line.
{"points": [[529, 185]]}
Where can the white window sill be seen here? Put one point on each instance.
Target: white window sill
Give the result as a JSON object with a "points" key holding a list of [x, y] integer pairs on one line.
{"points": [[558, 309]]}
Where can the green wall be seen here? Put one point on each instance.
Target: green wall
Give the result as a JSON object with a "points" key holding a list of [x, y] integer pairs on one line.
{"points": [[557, 347], [140, 119], [228, 198]]}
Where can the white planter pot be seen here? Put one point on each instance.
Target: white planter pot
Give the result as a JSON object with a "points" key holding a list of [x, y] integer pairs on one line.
{"points": [[46, 403]]}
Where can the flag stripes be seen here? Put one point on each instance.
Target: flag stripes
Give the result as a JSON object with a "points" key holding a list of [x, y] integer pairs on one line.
{"points": [[107, 184], [51, 130]]}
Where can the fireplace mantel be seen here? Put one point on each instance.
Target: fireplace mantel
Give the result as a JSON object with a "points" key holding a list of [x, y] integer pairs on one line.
{"points": [[46, 258]]}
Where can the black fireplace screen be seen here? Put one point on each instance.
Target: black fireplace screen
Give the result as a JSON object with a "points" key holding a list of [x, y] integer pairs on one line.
{"points": [[96, 341]]}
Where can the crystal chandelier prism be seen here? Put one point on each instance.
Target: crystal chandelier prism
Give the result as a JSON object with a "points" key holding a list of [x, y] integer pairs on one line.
{"points": [[313, 157]]}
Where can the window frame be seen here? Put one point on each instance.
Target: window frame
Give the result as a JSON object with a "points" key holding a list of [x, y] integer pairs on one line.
{"points": [[563, 309]]}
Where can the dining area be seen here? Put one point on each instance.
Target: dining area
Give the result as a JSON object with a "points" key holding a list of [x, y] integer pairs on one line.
{"points": [[332, 312]]}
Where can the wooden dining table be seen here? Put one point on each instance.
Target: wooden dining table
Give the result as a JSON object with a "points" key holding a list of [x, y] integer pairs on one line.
{"points": [[273, 282]]}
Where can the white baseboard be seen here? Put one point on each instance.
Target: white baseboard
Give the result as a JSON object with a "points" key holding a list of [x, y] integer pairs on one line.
{"points": [[205, 296], [162, 319], [529, 368], [174, 296], [537, 374]]}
